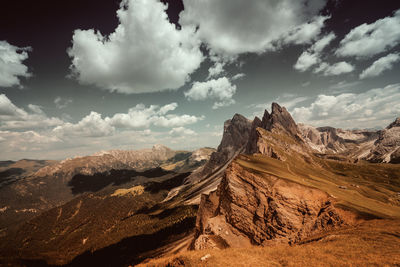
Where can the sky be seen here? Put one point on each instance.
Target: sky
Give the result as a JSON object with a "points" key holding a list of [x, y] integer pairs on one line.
{"points": [[77, 77]]}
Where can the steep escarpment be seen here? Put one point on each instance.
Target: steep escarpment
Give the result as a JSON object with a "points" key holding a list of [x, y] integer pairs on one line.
{"points": [[276, 135], [387, 146], [205, 179], [234, 139], [251, 208]]}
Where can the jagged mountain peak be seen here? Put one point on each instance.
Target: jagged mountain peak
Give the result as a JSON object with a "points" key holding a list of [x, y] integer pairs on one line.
{"points": [[279, 118]]}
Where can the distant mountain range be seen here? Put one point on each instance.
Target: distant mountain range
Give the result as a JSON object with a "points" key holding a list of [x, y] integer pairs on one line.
{"points": [[270, 181]]}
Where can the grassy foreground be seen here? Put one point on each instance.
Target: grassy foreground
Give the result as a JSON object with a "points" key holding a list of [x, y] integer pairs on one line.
{"points": [[371, 243]]}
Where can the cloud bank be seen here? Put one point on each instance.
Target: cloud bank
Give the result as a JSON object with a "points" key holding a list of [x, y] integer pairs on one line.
{"points": [[376, 107]]}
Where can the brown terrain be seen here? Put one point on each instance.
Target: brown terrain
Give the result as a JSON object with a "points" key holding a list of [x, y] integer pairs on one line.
{"points": [[274, 193]]}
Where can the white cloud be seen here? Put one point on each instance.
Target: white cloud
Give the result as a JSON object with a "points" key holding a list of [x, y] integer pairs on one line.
{"points": [[216, 69], [380, 65], [146, 53], [62, 102], [93, 125], [11, 66], [306, 61], [25, 141], [7, 108], [232, 27], [238, 76], [335, 69], [306, 32], [15, 118], [313, 55], [376, 107], [220, 89], [320, 45], [368, 40], [140, 116], [181, 131]]}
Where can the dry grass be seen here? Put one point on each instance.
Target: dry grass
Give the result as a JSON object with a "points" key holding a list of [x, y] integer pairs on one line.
{"points": [[371, 188], [372, 243]]}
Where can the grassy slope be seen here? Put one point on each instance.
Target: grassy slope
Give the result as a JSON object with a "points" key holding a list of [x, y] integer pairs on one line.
{"points": [[371, 188], [372, 243]]}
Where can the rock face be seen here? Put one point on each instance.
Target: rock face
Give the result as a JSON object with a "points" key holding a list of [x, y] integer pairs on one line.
{"points": [[275, 135], [279, 119], [386, 148], [354, 144], [234, 140], [253, 209]]}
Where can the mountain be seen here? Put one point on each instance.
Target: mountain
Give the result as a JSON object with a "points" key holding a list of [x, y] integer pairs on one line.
{"points": [[54, 184], [271, 182], [282, 191], [298, 185], [353, 145], [100, 204], [205, 179], [387, 147]]}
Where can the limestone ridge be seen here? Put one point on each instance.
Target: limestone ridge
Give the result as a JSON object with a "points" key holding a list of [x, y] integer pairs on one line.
{"points": [[387, 147], [279, 122], [253, 209], [279, 119], [234, 140]]}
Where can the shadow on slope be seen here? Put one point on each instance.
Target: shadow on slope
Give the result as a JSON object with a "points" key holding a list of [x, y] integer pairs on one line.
{"points": [[81, 183]]}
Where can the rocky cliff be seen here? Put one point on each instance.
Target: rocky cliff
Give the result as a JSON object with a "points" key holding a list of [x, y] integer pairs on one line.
{"points": [[234, 139], [250, 208], [387, 147]]}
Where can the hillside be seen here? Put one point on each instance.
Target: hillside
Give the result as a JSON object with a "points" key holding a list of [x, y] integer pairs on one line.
{"points": [[284, 191]]}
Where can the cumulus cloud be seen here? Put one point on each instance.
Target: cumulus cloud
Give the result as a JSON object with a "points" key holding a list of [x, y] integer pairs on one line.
{"points": [[11, 66], [181, 131], [220, 89], [380, 65], [15, 118], [61, 102], [145, 53], [306, 32], [232, 27], [368, 40], [335, 69], [216, 69], [313, 55], [306, 60], [140, 116], [90, 126], [376, 107]]}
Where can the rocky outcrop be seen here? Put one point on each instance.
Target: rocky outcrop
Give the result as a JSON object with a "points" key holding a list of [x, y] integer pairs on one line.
{"points": [[253, 209], [234, 140], [387, 145], [275, 135], [279, 119]]}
